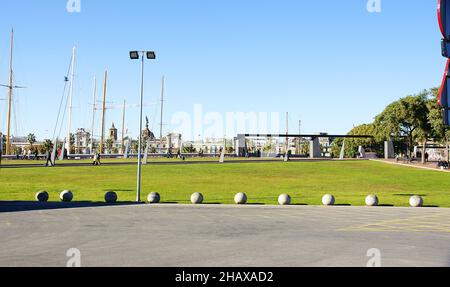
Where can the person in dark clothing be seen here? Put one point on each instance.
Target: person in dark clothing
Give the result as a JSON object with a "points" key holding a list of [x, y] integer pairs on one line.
{"points": [[48, 157], [96, 159], [426, 157]]}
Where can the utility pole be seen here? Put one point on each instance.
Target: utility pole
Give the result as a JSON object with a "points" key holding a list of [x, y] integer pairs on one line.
{"points": [[93, 114], [72, 78], [102, 140], [123, 126], [10, 91], [162, 108]]}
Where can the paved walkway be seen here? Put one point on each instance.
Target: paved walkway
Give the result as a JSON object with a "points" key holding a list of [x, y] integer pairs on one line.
{"points": [[224, 235]]}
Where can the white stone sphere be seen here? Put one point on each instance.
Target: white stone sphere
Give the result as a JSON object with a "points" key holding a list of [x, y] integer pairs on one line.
{"points": [[416, 201], [284, 199], [66, 196], [111, 197], [328, 199], [240, 198], [197, 198], [372, 200], [154, 197], [42, 196]]}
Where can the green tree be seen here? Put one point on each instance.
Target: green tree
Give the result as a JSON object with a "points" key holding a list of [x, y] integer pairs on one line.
{"points": [[441, 132], [47, 145], [3, 151], [31, 138], [135, 145], [109, 145], [72, 143], [188, 149], [352, 144], [407, 117], [304, 148]]}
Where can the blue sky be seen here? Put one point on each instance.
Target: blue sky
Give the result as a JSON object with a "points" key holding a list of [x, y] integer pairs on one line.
{"points": [[331, 64]]}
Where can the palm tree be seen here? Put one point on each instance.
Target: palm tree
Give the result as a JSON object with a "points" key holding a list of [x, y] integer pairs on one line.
{"points": [[31, 138], [109, 144], [47, 145]]}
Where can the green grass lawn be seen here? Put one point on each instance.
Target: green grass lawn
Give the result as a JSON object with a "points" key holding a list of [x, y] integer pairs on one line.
{"points": [[350, 182], [133, 160]]}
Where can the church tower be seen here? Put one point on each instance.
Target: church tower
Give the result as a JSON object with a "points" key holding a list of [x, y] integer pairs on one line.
{"points": [[113, 133]]}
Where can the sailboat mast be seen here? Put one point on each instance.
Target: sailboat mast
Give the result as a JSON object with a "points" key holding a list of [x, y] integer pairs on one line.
{"points": [[102, 141], [287, 132], [72, 78], [93, 114], [10, 91], [123, 126], [162, 107]]}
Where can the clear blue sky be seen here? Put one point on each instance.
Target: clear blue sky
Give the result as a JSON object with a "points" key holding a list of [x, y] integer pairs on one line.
{"points": [[330, 64]]}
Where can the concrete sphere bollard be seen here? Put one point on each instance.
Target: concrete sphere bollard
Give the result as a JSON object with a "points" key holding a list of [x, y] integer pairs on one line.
{"points": [[416, 201], [111, 197], [154, 197], [240, 198], [372, 200], [284, 199], [42, 196], [328, 199], [66, 196], [197, 198]]}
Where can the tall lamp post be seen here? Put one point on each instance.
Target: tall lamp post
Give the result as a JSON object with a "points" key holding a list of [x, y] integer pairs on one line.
{"points": [[136, 55]]}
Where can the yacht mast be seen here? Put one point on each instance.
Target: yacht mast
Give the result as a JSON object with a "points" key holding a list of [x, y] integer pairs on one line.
{"points": [[72, 77], [123, 126], [162, 107], [10, 91], [93, 115], [102, 140]]}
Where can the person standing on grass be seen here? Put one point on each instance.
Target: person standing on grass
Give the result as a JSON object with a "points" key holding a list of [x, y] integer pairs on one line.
{"points": [[96, 159], [48, 156]]}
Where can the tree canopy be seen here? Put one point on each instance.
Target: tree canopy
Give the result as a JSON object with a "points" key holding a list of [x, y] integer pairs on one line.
{"points": [[411, 120]]}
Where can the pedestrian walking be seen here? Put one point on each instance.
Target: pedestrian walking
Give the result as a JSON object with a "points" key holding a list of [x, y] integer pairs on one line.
{"points": [[48, 157]]}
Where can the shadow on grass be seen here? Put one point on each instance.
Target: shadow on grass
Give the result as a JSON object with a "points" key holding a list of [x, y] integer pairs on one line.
{"points": [[409, 195], [386, 205], [19, 206], [343, 204]]}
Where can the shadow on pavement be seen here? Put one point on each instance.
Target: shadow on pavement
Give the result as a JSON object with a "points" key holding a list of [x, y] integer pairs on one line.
{"points": [[18, 206]]}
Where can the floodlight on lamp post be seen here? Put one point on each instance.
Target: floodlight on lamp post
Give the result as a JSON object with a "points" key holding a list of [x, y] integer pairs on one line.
{"points": [[136, 55]]}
